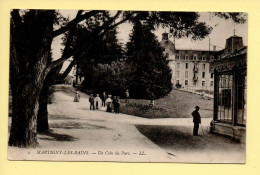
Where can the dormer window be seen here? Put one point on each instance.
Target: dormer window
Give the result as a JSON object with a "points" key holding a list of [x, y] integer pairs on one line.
{"points": [[203, 58], [186, 57], [195, 57]]}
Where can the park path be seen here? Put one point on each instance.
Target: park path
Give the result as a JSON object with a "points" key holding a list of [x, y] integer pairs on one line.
{"points": [[80, 134]]}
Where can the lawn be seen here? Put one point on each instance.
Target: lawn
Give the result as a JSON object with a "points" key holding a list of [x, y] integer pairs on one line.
{"points": [[178, 104]]}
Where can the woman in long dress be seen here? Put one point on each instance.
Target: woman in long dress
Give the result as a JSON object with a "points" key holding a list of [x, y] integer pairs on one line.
{"points": [[109, 103]]}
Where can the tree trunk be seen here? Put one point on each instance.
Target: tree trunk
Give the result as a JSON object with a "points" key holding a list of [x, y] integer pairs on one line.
{"points": [[42, 118], [30, 56], [25, 108]]}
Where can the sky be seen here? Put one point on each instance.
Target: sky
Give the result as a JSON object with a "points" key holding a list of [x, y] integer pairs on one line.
{"points": [[222, 29]]}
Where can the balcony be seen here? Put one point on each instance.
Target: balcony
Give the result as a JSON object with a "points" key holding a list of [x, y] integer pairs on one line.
{"points": [[195, 79]]}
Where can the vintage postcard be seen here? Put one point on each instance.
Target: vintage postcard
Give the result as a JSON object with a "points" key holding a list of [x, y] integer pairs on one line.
{"points": [[128, 86]]}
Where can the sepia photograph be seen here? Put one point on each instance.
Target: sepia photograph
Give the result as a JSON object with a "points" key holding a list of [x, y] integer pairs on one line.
{"points": [[127, 86]]}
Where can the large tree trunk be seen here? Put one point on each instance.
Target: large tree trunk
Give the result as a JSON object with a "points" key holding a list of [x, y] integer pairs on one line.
{"points": [[30, 55], [25, 107], [42, 118], [51, 79]]}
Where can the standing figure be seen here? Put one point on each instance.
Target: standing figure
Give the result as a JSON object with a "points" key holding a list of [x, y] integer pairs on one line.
{"points": [[104, 97], [117, 104], [109, 103], [97, 101], [151, 105], [91, 101], [127, 96], [77, 96], [114, 103], [196, 120]]}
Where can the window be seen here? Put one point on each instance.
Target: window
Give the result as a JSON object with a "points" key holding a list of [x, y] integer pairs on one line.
{"points": [[241, 98], [225, 102], [186, 74], [211, 83], [211, 75], [177, 57], [194, 57], [167, 55], [203, 83], [203, 74], [186, 57], [203, 58], [186, 82], [230, 106], [186, 65], [178, 65], [204, 66], [178, 74]]}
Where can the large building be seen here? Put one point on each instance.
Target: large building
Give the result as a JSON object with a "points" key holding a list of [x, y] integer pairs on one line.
{"points": [[190, 68]]}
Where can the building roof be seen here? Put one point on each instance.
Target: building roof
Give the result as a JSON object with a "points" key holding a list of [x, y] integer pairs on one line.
{"points": [[167, 43]]}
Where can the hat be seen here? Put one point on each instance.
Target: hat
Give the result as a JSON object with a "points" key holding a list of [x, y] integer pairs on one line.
{"points": [[197, 107]]}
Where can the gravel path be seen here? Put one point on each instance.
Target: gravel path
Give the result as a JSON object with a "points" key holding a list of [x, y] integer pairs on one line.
{"points": [[79, 134]]}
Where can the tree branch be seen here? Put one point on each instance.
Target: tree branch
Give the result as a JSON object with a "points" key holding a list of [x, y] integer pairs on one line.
{"points": [[74, 22], [68, 69], [118, 23], [66, 55]]}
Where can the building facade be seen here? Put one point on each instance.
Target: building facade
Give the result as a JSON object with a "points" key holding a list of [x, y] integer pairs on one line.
{"points": [[230, 74], [190, 68]]}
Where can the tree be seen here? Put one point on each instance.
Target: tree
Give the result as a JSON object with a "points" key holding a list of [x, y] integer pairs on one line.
{"points": [[105, 50], [112, 78], [152, 75], [32, 34]]}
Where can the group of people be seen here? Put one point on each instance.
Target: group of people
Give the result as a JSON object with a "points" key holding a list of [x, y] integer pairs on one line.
{"points": [[114, 104], [111, 104], [105, 101]]}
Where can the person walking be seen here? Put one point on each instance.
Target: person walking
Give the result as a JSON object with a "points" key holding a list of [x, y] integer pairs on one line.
{"points": [[196, 120], [117, 104], [97, 101], [127, 96], [104, 97], [109, 103], [91, 101]]}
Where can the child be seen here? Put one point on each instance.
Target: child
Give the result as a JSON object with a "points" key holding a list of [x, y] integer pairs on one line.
{"points": [[77, 96], [151, 105]]}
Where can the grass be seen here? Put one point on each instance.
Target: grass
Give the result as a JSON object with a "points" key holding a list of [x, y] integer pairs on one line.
{"points": [[178, 104]]}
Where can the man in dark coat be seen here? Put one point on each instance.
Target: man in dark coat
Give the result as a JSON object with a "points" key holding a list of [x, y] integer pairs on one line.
{"points": [[91, 101], [196, 120], [104, 97]]}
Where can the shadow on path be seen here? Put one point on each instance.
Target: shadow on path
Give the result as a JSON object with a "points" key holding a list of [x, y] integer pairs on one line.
{"points": [[51, 136], [181, 138]]}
